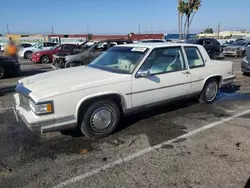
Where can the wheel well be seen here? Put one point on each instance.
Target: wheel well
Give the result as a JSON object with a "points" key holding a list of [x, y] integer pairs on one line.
{"points": [[85, 104], [28, 51], [218, 78], [43, 56]]}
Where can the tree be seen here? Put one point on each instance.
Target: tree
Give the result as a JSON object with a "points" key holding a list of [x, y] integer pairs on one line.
{"points": [[90, 36], [208, 30], [189, 9]]}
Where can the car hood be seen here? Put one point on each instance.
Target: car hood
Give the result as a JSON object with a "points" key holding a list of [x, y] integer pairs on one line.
{"points": [[58, 82], [233, 47]]}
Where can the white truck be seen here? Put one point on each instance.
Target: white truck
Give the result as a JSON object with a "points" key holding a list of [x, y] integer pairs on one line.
{"points": [[123, 80]]}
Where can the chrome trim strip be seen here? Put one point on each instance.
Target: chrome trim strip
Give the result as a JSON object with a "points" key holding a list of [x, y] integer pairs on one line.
{"points": [[163, 87], [53, 121], [229, 78]]}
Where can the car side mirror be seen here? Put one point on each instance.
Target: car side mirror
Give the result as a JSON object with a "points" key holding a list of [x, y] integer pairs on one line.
{"points": [[143, 73]]}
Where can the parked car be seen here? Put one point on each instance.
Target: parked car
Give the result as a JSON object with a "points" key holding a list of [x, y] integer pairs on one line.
{"points": [[26, 52], [237, 49], [123, 80], [226, 44], [84, 57], [245, 64], [9, 66], [151, 40], [46, 56], [211, 45]]}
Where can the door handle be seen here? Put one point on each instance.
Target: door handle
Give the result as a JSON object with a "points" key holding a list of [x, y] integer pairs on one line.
{"points": [[186, 72]]}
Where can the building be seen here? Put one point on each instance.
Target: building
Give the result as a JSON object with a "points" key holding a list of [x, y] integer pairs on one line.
{"points": [[226, 34]]}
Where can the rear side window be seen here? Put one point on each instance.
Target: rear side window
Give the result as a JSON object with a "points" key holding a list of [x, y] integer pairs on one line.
{"points": [[194, 57]]}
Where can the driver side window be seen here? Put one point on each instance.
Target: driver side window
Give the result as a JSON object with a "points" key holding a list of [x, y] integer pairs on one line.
{"points": [[164, 60]]}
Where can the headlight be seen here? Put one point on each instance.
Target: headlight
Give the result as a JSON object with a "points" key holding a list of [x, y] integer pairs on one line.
{"points": [[42, 108], [37, 54]]}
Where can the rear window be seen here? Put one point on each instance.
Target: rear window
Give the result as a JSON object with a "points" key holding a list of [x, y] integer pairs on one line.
{"points": [[191, 41]]}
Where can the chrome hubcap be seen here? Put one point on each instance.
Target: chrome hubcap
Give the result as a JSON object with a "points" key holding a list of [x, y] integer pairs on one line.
{"points": [[101, 119], [1, 72], [211, 91]]}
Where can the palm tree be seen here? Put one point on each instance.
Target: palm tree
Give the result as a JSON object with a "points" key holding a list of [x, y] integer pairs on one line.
{"points": [[196, 7]]}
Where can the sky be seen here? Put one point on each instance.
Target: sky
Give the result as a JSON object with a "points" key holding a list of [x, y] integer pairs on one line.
{"points": [[117, 16]]}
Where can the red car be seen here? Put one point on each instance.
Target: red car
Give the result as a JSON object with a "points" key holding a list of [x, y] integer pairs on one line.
{"points": [[46, 56]]}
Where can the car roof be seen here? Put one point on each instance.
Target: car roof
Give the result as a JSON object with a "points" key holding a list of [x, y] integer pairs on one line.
{"points": [[155, 45], [115, 40]]}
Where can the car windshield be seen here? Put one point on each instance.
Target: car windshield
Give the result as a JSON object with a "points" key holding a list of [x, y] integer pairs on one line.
{"points": [[37, 45], [239, 43], [119, 59]]}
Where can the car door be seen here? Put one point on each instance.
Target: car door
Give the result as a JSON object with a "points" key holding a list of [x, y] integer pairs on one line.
{"points": [[209, 46], [197, 68], [169, 78]]}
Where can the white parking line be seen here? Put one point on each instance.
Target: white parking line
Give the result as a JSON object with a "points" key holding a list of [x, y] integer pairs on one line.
{"points": [[145, 151]]}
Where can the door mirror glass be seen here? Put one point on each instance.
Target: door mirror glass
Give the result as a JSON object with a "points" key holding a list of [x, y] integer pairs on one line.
{"points": [[143, 73]]}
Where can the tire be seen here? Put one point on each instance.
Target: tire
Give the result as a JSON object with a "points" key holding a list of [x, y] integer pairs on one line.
{"points": [[93, 126], [2, 72], [45, 59], [27, 54], [243, 53], [215, 55], [209, 97]]}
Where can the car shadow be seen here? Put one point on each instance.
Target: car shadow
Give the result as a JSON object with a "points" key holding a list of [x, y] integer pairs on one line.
{"points": [[230, 88], [155, 111]]}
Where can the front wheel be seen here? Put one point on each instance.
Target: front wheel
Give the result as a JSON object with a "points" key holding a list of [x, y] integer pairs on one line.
{"points": [[27, 55], [45, 59], [210, 91], [100, 119]]}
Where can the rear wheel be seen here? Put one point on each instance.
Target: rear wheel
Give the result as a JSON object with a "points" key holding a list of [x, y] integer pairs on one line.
{"points": [[100, 119], [2, 72], [45, 59], [210, 91]]}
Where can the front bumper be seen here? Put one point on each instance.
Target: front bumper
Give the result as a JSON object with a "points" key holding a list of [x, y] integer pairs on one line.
{"points": [[230, 53], [245, 67], [35, 59], [43, 123]]}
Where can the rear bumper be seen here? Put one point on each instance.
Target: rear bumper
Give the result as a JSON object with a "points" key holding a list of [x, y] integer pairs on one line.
{"points": [[245, 67], [228, 80], [42, 124]]}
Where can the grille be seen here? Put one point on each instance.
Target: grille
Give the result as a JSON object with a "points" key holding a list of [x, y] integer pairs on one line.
{"points": [[24, 102]]}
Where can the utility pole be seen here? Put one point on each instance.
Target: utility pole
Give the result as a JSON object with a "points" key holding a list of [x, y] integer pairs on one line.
{"points": [[7, 26], [52, 30], [139, 30], [219, 31]]}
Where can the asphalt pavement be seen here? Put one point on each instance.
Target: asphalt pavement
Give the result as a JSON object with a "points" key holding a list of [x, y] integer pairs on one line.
{"points": [[183, 144]]}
